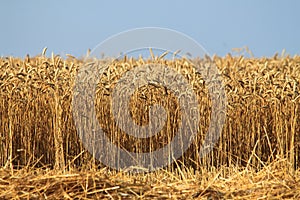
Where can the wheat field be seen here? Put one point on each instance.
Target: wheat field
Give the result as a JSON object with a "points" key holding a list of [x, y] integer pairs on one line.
{"points": [[256, 156]]}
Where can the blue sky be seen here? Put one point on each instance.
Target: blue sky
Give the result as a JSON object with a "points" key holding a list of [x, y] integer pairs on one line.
{"points": [[265, 26]]}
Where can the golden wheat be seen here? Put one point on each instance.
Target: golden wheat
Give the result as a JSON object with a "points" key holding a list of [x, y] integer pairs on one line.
{"points": [[257, 155], [262, 113]]}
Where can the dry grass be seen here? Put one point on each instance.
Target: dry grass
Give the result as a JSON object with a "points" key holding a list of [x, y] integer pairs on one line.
{"points": [[257, 154], [272, 182]]}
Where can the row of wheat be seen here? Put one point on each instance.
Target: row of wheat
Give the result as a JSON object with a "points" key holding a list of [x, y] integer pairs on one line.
{"points": [[262, 114]]}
